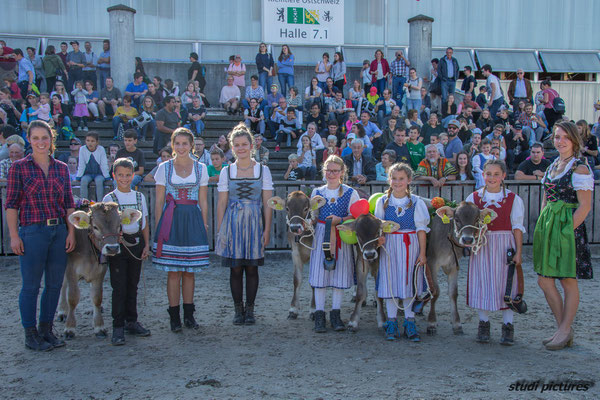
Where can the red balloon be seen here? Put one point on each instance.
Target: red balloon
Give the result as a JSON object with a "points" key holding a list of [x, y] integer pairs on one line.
{"points": [[359, 208]]}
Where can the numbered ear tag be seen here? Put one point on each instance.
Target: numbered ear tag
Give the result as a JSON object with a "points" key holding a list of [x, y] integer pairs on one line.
{"points": [[445, 219], [84, 224], [314, 206], [279, 207], [387, 228], [487, 219], [126, 221]]}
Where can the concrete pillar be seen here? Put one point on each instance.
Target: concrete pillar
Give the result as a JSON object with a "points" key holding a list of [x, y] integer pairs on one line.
{"points": [[122, 40], [419, 44]]}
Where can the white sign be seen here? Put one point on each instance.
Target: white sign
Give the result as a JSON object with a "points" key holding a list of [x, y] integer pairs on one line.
{"points": [[303, 21]]}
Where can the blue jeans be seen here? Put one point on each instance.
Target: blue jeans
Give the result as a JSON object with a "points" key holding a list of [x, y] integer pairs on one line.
{"points": [[44, 255], [534, 135], [310, 173], [448, 87], [322, 85], [115, 125], [413, 104], [103, 73], [381, 85], [149, 127], [397, 86], [265, 81], [495, 106], [286, 81], [198, 128], [246, 105], [85, 181]]}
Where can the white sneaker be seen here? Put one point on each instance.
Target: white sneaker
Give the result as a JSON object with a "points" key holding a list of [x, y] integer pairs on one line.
{"points": [[79, 129], [85, 129]]}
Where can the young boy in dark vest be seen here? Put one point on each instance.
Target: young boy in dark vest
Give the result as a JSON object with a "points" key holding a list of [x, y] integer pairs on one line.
{"points": [[125, 267]]}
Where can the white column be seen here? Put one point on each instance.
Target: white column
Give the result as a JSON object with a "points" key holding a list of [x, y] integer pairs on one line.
{"points": [[122, 41]]}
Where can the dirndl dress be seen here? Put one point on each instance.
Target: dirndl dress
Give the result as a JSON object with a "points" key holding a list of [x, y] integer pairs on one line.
{"points": [[555, 255], [181, 243], [342, 277], [239, 241], [488, 269], [396, 268]]}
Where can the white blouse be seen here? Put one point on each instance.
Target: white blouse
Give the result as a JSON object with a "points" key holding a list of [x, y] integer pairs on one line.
{"points": [[329, 194], [267, 180], [161, 175], [130, 198], [517, 214], [421, 212], [579, 181]]}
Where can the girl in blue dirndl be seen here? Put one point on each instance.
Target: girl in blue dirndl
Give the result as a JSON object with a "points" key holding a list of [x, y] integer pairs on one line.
{"points": [[405, 247], [339, 198], [181, 244], [244, 221]]}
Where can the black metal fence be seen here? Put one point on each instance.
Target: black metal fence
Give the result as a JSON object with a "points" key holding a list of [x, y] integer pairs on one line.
{"points": [[530, 191]]}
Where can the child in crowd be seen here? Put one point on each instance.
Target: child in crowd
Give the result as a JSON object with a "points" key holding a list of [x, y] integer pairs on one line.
{"points": [[60, 114], [72, 164], [293, 173], [395, 280], [295, 101], [80, 112], [416, 149], [352, 119], [134, 154], [348, 150], [482, 97], [488, 267], [43, 111], [372, 97], [479, 161], [126, 267], [496, 152], [336, 208], [307, 159], [165, 154], [113, 149], [254, 118], [217, 158], [435, 140], [93, 166], [365, 75], [497, 142], [288, 129], [444, 139]]}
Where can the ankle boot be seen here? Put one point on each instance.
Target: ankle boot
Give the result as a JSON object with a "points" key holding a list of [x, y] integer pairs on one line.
{"points": [[249, 316], [175, 318], [34, 341], [508, 335], [238, 318], [336, 321], [320, 322], [188, 316], [483, 332], [45, 331]]}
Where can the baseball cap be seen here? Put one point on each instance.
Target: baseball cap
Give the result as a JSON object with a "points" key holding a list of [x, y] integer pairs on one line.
{"points": [[373, 91], [518, 126], [454, 122], [477, 130], [76, 140], [74, 41], [31, 94], [351, 136]]}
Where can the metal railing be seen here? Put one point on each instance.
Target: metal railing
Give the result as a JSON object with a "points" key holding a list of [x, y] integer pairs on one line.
{"points": [[530, 191]]}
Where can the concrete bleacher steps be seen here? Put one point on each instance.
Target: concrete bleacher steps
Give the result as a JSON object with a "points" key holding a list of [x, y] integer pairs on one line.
{"points": [[217, 123]]}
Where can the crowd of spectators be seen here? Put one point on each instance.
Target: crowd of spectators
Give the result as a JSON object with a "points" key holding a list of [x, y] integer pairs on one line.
{"points": [[388, 115]]}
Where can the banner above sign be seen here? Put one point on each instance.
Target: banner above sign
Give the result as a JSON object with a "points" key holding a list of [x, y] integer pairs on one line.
{"points": [[303, 21]]}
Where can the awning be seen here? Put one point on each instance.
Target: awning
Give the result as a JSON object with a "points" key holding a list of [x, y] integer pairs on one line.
{"points": [[462, 56], [509, 61], [562, 61]]}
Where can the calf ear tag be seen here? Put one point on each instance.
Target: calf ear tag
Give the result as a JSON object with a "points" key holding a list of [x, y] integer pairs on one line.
{"points": [[84, 224], [387, 228], [445, 219], [279, 207], [487, 219], [314, 206], [125, 221]]}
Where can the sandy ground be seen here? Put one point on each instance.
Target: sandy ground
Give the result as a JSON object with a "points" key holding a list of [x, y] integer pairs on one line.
{"points": [[283, 359]]}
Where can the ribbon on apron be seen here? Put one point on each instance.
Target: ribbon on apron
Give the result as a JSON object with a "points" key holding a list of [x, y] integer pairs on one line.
{"points": [[167, 220], [406, 240]]}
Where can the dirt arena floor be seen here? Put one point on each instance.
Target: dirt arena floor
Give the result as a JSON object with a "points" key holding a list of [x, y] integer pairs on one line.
{"points": [[282, 359]]}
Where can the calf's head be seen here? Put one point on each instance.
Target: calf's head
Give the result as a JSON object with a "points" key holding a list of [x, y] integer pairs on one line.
{"points": [[369, 233], [103, 221], [299, 208], [466, 219]]}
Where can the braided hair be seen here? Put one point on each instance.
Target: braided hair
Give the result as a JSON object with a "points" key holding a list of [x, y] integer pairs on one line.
{"points": [[399, 167]]}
